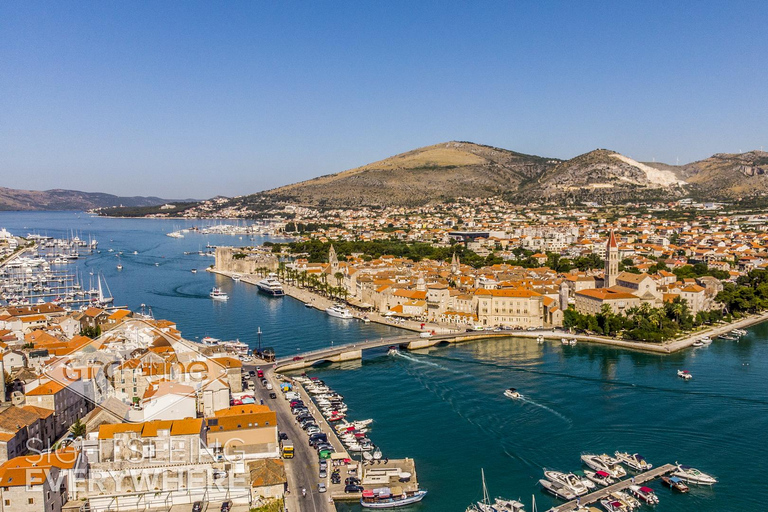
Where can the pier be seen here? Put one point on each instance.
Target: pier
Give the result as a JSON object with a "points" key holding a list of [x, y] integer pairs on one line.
{"points": [[600, 494]]}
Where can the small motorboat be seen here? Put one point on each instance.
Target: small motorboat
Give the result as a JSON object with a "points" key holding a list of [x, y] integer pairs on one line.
{"points": [[694, 476], [684, 374], [565, 341], [392, 351], [194, 271], [627, 499], [540, 339], [634, 461], [644, 493], [383, 498], [512, 393], [119, 266], [367, 456], [558, 490], [706, 340], [236, 277], [599, 477], [377, 453], [611, 505], [697, 343], [307, 304], [674, 483]]}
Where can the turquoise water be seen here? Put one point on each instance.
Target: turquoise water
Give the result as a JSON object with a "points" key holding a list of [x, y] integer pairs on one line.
{"points": [[444, 407]]}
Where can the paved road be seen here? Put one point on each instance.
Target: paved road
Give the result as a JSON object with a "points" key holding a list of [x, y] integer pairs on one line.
{"points": [[303, 470]]}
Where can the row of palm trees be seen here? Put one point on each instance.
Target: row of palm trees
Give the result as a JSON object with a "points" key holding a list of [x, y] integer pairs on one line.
{"points": [[303, 279]]}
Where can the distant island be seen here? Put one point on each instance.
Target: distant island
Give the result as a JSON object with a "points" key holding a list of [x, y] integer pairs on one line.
{"points": [[59, 199]]}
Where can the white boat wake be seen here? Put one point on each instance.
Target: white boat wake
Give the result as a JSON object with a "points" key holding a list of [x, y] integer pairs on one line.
{"points": [[428, 363], [527, 400]]}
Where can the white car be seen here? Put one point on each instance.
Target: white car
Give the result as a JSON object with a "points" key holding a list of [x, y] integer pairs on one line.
{"points": [[321, 487]]}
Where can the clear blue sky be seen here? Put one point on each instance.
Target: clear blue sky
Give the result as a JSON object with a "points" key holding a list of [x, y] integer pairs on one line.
{"points": [[188, 99]]}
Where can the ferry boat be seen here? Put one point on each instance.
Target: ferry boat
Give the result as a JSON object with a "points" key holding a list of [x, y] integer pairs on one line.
{"points": [[383, 498], [604, 463], [339, 311], [512, 393], [684, 374], [217, 294], [271, 286], [694, 476], [635, 461]]}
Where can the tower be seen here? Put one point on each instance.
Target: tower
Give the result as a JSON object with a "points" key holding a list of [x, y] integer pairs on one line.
{"points": [[455, 264], [421, 283], [332, 259], [564, 295], [611, 262]]}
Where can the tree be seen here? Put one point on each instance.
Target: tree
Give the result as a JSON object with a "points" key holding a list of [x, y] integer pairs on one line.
{"points": [[91, 332], [78, 428]]}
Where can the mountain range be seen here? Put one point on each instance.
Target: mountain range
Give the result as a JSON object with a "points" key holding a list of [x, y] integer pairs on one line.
{"points": [[59, 199], [464, 169]]}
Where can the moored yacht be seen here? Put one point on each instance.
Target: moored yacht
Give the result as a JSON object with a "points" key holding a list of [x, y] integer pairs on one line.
{"points": [[644, 493], [271, 286], [604, 463], [339, 311], [694, 476], [611, 505], [684, 374], [558, 490], [383, 498], [569, 480], [599, 477], [633, 461]]}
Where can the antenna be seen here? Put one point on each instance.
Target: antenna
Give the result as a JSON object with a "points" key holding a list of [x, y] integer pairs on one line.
{"points": [[258, 332], [678, 160]]}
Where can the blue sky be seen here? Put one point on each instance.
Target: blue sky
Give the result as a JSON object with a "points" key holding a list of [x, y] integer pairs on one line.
{"points": [[195, 99]]}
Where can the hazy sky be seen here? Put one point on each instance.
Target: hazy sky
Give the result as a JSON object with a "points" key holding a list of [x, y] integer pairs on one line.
{"points": [[188, 99]]}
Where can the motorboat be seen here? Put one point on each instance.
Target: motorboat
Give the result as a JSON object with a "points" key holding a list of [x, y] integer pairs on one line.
{"points": [[119, 266], [217, 294], [384, 498], [307, 304], [684, 374], [589, 484], [558, 490], [366, 320], [569, 480], [599, 477], [271, 286], [540, 339], [499, 505], [604, 463], [392, 351], [625, 498], [693, 475], [194, 271], [377, 454], [236, 277], [339, 311], [512, 393], [697, 343], [634, 461], [611, 505], [674, 483], [706, 340], [644, 493]]}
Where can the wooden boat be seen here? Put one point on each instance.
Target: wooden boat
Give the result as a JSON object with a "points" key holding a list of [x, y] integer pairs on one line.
{"points": [[674, 483]]}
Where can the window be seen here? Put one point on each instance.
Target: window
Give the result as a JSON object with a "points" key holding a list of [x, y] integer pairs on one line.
{"points": [[7, 502], [31, 501]]}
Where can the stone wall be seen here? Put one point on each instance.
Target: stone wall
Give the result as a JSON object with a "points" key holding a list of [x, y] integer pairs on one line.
{"points": [[254, 260]]}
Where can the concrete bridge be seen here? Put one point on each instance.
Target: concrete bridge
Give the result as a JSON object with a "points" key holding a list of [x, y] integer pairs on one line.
{"points": [[351, 351]]}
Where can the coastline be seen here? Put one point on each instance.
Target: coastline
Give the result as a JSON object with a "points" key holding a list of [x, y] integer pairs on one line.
{"points": [[321, 303]]}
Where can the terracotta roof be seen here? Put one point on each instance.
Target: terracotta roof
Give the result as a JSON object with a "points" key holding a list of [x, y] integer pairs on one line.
{"points": [[267, 472], [49, 388]]}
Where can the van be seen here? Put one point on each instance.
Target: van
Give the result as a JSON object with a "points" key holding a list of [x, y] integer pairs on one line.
{"points": [[251, 385], [292, 395], [287, 449]]}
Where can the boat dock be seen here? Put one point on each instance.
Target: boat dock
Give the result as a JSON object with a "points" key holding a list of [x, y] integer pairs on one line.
{"points": [[600, 494]]}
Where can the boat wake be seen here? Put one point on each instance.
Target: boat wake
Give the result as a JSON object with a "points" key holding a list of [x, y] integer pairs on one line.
{"points": [[527, 400], [425, 362]]}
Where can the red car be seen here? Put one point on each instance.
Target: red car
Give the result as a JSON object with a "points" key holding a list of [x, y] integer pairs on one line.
{"points": [[298, 358]]}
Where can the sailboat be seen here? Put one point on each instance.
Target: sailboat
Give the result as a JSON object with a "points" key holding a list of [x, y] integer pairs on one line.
{"points": [[499, 504], [104, 299]]}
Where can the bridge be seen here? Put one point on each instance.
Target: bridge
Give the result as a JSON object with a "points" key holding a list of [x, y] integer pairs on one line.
{"points": [[352, 351]]}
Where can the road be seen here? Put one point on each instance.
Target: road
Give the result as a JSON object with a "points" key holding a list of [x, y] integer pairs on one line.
{"points": [[303, 470]]}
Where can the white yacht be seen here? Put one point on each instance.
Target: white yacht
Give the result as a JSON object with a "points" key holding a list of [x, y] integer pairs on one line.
{"points": [[635, 461], [694, 476], [684, 374], [512, 393], [338, 311], [236, 277], [558, 490], [217, 294], [271, 286], [499, 505], [569, 480], [604, 463], [599, 477]]}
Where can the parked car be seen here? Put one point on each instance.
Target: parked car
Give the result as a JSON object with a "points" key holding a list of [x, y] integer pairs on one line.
{"points": [[321, 487], [323, 465], [197, 506], [282, 435], [353, 488], [272, 396], [313, 430], [323, 473], [351, 480], [226, 506]]}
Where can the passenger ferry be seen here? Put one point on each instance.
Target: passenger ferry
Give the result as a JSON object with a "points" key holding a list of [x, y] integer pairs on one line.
{"points": [[339, 311], [217, 294], [271, 286]]}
